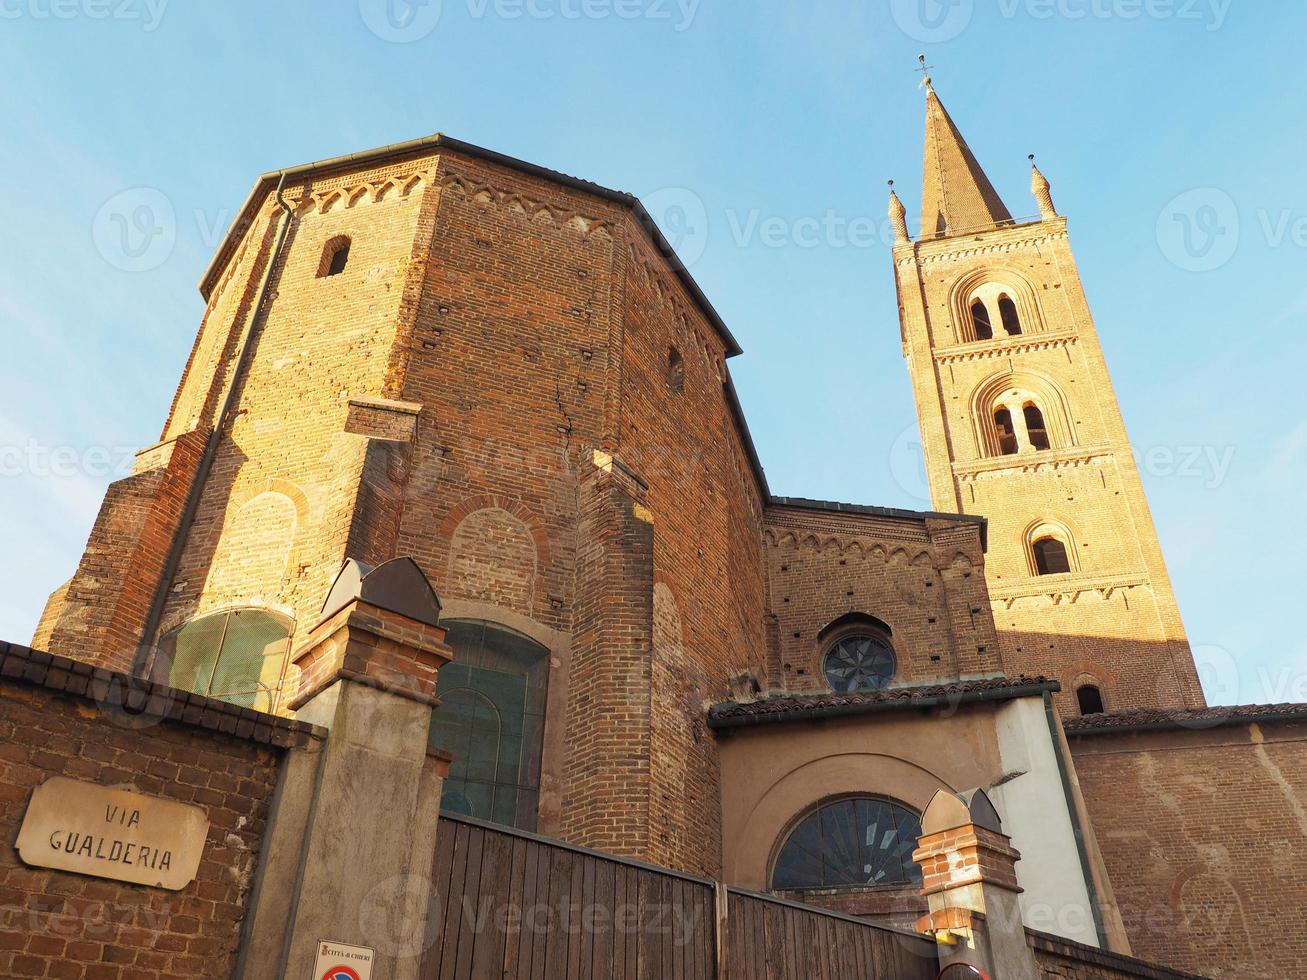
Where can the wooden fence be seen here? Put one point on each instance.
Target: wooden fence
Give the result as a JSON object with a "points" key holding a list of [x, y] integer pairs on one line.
{"points": [[514, 905]]}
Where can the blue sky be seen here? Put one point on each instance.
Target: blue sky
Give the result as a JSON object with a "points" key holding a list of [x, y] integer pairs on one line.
{"points": [[762, 133]]}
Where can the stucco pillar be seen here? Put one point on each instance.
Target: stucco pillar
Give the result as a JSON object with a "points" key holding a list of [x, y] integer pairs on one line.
{"points": [[363, 819], [970, 885]]}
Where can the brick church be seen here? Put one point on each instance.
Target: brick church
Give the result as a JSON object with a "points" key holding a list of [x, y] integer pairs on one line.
{"points": [[459, 431]]}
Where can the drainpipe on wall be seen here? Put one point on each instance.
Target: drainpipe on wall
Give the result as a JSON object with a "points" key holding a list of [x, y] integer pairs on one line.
{"points": [[146, 651]]}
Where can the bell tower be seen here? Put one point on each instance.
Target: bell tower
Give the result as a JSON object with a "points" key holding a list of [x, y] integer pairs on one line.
{"points": [[1020, 424]]}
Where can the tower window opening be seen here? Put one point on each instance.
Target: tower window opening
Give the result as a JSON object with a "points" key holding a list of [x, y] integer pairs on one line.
{"points": [[1007, 433], [980, 322], [1090, 700], [1051, 557], [1007, 311], [1036, 430], [675, 370], [335, 256]]}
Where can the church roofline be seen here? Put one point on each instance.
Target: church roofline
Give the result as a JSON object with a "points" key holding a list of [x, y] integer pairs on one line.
{"points": [[426, 144], [791, 708], [894, 513], [1191, 719]]}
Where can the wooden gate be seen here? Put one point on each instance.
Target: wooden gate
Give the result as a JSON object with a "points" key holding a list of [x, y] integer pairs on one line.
{"points": [[515, 905]]}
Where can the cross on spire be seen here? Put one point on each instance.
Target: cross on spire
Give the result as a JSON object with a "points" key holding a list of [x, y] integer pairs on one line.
{"points": [[925, 70]]}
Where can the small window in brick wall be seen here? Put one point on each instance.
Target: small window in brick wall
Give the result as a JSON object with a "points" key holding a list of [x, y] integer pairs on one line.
{"points": [[1090, 700], [1051, 557], [335, 256], [675, 370]]}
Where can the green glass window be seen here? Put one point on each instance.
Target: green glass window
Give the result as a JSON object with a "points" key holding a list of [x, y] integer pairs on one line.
{"points": [[238, 655], [491, 719]]}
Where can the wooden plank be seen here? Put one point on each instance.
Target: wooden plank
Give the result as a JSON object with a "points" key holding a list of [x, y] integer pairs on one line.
{"points": [[453, 904], [441, 864], [560, 883], [486, 906], [513, 909], [602, 961], [467, 937]]}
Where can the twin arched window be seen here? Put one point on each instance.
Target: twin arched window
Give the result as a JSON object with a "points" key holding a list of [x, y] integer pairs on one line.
{"points": [[491, 719], [237, 655], [856, 842], [982, 323]]}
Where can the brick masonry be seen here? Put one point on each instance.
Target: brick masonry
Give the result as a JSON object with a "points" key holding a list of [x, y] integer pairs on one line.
{"points": [[59, 719], [1202, 831]]}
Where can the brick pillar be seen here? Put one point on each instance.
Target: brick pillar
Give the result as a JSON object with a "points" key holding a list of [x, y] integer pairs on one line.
{"points": [[607, 786], [99, 615], [969, 867], [353, 836]]}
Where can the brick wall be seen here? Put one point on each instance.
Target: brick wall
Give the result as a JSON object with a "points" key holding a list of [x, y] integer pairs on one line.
{"points": [[1204, 834], [924, 579], [56, 719]]}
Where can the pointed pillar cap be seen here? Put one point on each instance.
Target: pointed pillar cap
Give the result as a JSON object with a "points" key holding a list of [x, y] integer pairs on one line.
{"points": [[898, 216]]}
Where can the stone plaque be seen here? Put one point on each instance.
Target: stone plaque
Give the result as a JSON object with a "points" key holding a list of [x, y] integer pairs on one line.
{"points": [[112, 833]]}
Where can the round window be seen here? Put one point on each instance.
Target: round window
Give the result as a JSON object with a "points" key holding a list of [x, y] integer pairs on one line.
{"points": [[859, 663]]}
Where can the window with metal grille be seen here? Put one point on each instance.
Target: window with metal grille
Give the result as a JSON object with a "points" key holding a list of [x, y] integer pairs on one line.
{"points": [[857, 842], [491, 719], [860, 662], [237, 655]]}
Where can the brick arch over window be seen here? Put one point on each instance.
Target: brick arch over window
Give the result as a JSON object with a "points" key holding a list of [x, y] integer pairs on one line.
{"points": [[988, 287], [1054, 528], [493, 557], [1014, 392]]}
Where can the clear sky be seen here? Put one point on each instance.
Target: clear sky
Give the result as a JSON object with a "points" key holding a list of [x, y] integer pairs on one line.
{"points": [[761, 132]]}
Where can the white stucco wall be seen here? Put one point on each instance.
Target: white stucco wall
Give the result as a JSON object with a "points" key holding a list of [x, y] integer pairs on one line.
{"points": [[1035, 813]]}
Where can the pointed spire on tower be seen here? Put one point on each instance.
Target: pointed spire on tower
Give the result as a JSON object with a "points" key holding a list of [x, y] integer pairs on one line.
{"points": [[1043, 192], [898, 216], [956, 197]]}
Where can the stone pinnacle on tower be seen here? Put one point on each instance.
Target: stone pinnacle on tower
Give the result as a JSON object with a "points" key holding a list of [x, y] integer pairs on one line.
{"points": [[956, 197], [1039, 187], [898, 216]]}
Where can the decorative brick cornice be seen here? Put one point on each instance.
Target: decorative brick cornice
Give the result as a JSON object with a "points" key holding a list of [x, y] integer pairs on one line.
{"points": [[1005, 347], [375, 647], [1034, 462], [1059, 589]]}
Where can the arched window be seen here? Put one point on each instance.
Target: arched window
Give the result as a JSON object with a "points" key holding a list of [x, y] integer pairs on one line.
{"points": [[980, 323], [1007, 311], [1036, 431], [860, 661], [1051, 557], [675, 370], [335, 255], [491, 719], [1090, 699], [1007, 433], [859, 842], [237, 655]]}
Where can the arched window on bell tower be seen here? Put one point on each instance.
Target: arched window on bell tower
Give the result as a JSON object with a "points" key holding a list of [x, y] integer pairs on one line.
{"points": [[980, 322], [1036, 430], [1007, 311], [1007, 433]]}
